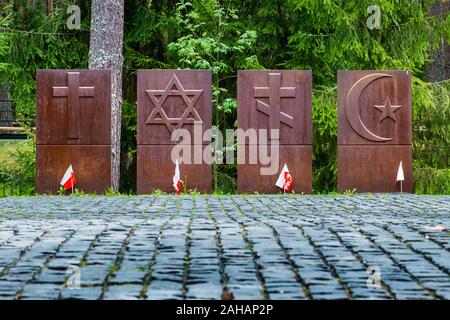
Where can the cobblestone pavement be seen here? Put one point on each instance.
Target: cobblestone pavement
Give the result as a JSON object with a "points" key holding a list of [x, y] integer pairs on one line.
{"points": [[210, 247]]}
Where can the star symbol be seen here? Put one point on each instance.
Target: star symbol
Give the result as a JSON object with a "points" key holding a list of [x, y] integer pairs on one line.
{"points": [[388, 110], [174, 88]]}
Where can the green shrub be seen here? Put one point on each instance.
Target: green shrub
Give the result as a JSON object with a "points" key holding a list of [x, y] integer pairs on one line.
{"points": [[18, 174], [431, 181], [324, 108], [227, 37]]}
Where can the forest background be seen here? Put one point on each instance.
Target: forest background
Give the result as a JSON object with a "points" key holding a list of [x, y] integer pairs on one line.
{"points": [[229, 35]]}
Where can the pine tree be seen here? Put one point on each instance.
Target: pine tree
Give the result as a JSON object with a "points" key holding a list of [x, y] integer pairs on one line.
{"points": [[105, 52]]}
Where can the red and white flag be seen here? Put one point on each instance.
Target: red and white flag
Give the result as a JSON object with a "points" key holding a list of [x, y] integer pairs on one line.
{"points": [[176, 179], [285, 180], [69, 181], [400, 175]]}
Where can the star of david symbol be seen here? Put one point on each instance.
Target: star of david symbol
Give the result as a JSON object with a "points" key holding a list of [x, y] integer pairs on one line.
{"points": [[274, 92], [174, 88]]}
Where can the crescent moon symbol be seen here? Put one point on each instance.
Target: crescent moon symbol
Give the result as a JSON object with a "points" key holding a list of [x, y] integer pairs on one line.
{"points": [[352, 107]]}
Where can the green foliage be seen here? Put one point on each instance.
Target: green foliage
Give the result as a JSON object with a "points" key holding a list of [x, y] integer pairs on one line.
{"points": [[35, 41], [324, 108], [431, 124], [210, 40], [431, 137], [158, 192], [349, 192], [225, 36], [61, 192], [431, 180], [4, 40], [110, 192], [17, 174], [79, 193], [333, 35]]}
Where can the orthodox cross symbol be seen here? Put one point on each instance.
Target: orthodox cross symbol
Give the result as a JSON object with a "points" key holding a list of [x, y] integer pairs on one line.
{"points": [[174, 88], [73, 92], [274, 92], [388, 110]]}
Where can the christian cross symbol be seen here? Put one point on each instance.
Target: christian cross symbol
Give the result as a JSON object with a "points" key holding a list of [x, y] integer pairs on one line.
{"points": [[73, 92]]}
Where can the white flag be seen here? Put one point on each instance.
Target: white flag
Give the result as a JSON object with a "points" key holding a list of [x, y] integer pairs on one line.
{"points": [[285, 179], [176, 178], [400, 175]]}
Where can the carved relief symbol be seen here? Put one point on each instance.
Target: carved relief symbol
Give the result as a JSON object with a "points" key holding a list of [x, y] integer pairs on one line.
{"points": [[73, 92], [388, 110], [174, 88], [274, 92], [353, 113]]}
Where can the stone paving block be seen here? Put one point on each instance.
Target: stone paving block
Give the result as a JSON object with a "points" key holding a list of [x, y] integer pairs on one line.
{"points": [[188, 247], [83, 293], [51, 276], [39, 291], [123, 292], [205, 291], [163, 290], [246, 292]]}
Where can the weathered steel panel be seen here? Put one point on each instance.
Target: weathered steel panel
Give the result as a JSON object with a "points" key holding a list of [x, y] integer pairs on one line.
{"points": [[156, 169], [299, 161], [73, 126], [73, 107], [276, 99], [172, 99], [374, 130], [374, 107], [374, 168], [91, 165]]}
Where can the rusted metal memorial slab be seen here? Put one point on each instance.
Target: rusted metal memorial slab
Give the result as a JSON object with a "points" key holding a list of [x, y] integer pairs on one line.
{"points": [[73, 126], [275, 101], [374, 130], [169, 100]]}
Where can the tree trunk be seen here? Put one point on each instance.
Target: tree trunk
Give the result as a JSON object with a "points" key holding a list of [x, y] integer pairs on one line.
{"points": [[439, 68], [105, 52]]}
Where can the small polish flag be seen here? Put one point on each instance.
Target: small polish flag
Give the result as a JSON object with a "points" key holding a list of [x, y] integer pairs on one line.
{"points": [[400, 175], [285, 180], [69, 181], [176, 179]]}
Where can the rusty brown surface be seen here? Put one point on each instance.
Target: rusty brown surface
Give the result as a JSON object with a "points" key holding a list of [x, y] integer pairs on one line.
{"points": [[299, 161], [171, 99], [276, 99], [362, 98], [73, 107], [73, 126], [156, 170], [91, 165], [374, 130], [373, 168]]}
